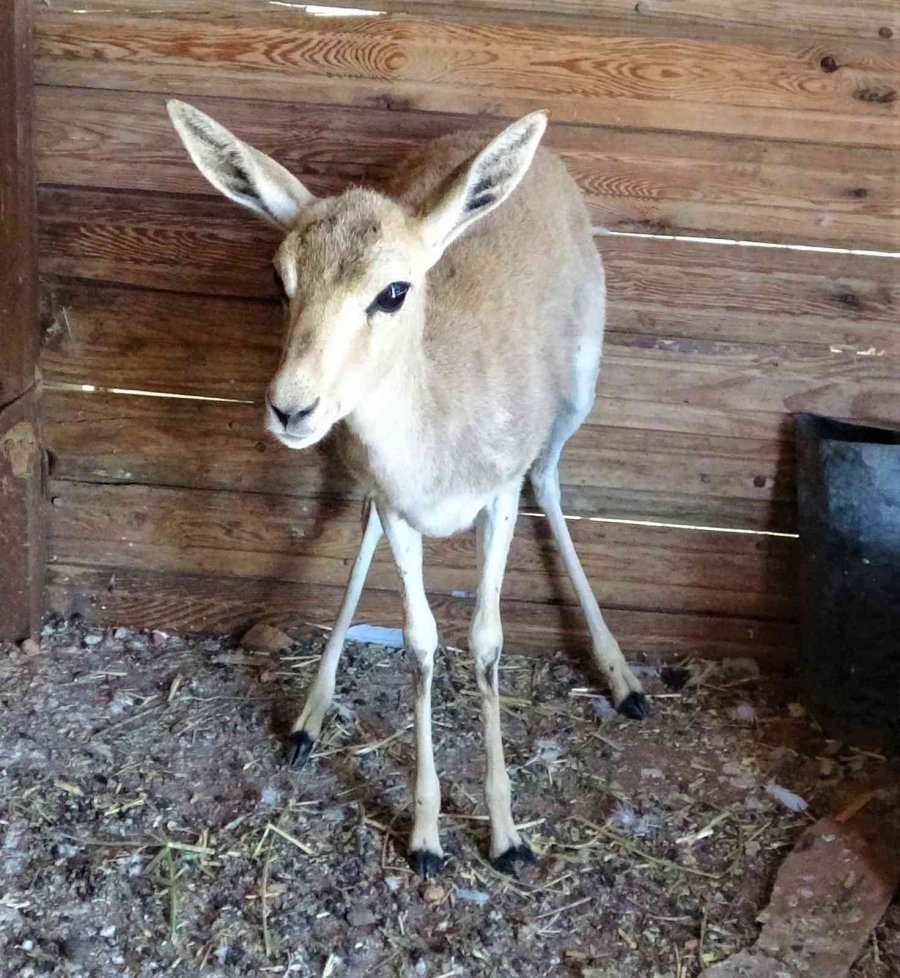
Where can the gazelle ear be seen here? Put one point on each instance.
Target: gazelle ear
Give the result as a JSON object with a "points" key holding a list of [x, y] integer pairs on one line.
{"points": [[482, 183], [237, 170]]}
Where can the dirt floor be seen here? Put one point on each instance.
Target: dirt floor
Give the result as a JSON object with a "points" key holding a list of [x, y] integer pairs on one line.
{"points": [[148, 825]]}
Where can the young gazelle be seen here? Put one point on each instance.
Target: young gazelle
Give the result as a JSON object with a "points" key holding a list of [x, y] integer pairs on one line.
{"points": [[457, 342]]}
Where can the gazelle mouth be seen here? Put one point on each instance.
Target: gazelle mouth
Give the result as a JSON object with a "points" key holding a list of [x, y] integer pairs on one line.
{"points": [[300, 441]]}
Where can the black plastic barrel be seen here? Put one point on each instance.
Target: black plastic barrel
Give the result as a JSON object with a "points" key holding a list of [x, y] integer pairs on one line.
{"points": [[848, 493]]}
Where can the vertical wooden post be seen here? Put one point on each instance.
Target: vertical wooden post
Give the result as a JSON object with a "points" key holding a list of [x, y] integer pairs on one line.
{"points": [[21, 497]]}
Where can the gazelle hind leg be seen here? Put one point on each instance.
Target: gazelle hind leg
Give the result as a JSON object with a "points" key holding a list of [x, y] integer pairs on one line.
{"points": [[495, 531], [308, 725], [628, 695]]}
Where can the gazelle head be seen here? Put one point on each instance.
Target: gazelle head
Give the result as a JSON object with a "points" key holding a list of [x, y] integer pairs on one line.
{"points": [[351, 268]]}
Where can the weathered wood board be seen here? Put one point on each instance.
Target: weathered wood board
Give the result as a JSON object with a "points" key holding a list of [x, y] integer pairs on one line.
{"points": [[863, 19], [19, 339], [221, 604], [21, 523], [753, 122], [749, 82], [22, 520], [314, 541], [606, 471], [632, 180]]}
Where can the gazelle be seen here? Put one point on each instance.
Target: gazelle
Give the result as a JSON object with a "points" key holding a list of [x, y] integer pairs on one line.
{"points": [[457, 342]]}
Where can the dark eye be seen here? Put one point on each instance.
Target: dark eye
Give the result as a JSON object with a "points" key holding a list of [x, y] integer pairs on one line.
{"points": [[279, 285], [391, 298]]}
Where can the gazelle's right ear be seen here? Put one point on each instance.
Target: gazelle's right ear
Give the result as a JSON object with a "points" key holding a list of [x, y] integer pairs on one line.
{"points": [[237, 170]]}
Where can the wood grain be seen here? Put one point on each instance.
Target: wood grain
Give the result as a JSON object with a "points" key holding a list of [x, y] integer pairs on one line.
{"points": [[219, 347], [701, 338], [18, 258], [675, 289], [21, 469], [196, 603], [761, 84], [183, 531], [632, 180], [216, 605], [866, 19], [22, 519], [613, 472]]}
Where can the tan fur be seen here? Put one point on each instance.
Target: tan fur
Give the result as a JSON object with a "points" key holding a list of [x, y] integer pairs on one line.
{"points": [[443, 406], [463, 401]]}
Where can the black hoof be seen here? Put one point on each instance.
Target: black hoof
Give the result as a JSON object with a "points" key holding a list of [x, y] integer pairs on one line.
{"points": [[426, 863], [634, 706], [507, 862], [300, 747]]}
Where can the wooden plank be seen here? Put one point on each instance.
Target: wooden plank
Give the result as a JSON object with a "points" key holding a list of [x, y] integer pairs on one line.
{"points": [[217, 347], [229, 534], [753, 83], [863, 19], [621, 473], [18, 285], [217, 605], [22, 520], [668, 288], [157, 241], [704, 338], [111, 337], [211, 346], [632, 180]]}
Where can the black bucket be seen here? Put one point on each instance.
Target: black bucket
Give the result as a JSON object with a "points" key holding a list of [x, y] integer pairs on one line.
{"points": [[848, 488]]}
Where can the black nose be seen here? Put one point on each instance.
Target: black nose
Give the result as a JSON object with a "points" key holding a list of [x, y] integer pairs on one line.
{"points": [[286, 417]]}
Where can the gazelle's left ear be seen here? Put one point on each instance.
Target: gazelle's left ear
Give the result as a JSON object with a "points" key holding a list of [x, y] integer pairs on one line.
{"points": [[483, 183], [237, 170]]}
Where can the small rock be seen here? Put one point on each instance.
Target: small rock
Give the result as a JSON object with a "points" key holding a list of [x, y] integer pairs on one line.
{"points": [[787, 798], [121, 633], [270, 797], [602, 708], [158, 638], [744, 713], [30, 648], [120, 703], [93, 638], [108, 931], [361, 917], [229, 659], [478, 897], [265, 638], [434, 893]]}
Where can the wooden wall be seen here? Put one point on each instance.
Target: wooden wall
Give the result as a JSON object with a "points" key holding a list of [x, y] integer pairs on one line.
{"points": [[755, 121], [22, 519]]}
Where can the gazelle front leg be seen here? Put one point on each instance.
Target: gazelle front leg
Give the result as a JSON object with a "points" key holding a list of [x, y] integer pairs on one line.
{"points": [[308, 725], [421, 638], [495, 531]]}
